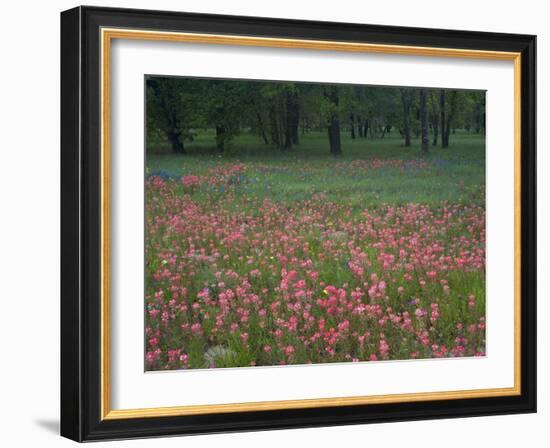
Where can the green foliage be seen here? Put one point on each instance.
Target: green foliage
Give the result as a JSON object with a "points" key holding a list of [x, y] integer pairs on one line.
{"points": [[181, 109], [175, 103]]}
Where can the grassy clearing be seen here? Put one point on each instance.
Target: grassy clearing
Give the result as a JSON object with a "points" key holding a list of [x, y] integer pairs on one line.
{"points": [[456, 174], [262, 257]]}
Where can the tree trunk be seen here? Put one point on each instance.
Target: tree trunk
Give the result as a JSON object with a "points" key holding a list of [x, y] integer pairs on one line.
{"points": [[435, 121], [360, 127], [288, 133], [444, 129], [447, 125], [406, 129], [292, 113], [424, 120], [331, 94], [295, 121], [436, 133], [176, 142], [334, 135], [262, 129], [405, 100], [352, 128], [366, 129], [172, 131], [220, 138], [274, 127]]}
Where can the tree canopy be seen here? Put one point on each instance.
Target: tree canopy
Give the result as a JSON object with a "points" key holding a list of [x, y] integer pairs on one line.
{"points": [[177, 109]]}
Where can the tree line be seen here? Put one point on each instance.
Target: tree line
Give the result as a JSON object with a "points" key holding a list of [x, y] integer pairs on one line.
{"points": [[281, 113]]}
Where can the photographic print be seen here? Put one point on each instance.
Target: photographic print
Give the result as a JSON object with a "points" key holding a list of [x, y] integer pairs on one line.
{"points": [[305, 223]]}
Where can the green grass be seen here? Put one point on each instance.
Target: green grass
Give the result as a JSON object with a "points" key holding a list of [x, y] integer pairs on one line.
{"points": [[456, 174]]}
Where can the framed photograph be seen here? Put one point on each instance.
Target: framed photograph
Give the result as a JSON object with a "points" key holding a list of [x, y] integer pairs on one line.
{"points": [[276, 224]]}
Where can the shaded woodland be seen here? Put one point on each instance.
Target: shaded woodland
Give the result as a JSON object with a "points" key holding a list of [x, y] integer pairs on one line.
{"points": [[281, 114]]}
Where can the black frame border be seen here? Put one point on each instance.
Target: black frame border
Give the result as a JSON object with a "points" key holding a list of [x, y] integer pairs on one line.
{"points": [[81, 223]]}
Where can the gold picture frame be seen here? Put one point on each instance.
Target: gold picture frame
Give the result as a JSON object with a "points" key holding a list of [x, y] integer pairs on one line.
{"points": [[109, 34]]}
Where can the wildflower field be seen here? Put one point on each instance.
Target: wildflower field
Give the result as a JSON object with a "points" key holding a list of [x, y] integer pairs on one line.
{"points": [[263, 259]]}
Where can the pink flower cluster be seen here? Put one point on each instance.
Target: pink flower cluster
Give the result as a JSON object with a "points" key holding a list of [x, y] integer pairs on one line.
{"points": [[278, 283]]}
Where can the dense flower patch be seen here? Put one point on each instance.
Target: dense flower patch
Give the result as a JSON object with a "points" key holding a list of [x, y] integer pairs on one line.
{"points": [[234, 279]]}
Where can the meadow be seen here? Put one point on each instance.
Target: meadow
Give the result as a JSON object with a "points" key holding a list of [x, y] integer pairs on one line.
{"points": [[268, 257]]}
